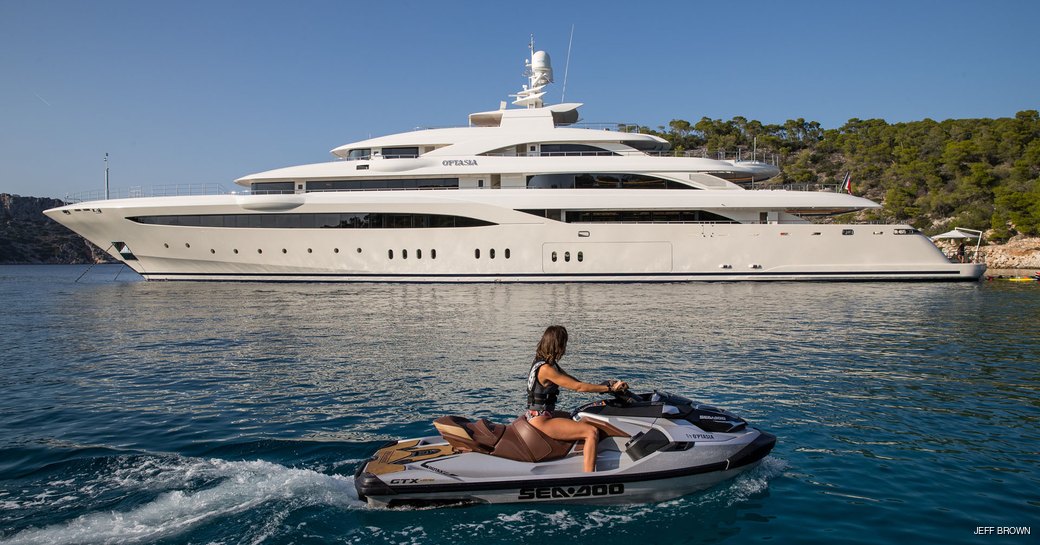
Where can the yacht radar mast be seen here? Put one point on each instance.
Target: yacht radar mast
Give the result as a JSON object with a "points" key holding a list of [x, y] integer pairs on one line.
{"points": [[538, 71]]}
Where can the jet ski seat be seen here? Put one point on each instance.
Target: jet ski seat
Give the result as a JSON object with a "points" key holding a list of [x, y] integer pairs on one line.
{"points": [[467, 436], [518, 441]]}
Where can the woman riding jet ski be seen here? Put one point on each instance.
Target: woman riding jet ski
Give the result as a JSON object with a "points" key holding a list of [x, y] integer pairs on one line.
{"points": [[646, 447]]}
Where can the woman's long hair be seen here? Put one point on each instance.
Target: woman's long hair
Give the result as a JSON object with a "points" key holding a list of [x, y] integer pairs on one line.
{"points": [[553, 345]]}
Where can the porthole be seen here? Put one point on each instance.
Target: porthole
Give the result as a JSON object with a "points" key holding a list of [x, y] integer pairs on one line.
{"points": [[567, 257], [554, 257], [433, 254], [335, 250], [581, 257], [492, 253], [390, 254], [418, 254], [404, 254], [186, 245], [507, 253], [166, 245], [310, 250], [476, 253], [235, 250], [212, 251], [284, 251], [359, 250], [259, 251]]}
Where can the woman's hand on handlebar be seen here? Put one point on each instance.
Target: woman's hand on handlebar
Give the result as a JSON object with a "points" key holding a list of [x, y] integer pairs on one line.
{"points": [[617, 385]]}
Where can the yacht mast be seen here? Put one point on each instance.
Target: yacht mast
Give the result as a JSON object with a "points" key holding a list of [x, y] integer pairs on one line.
{"points": [[538, 71]]}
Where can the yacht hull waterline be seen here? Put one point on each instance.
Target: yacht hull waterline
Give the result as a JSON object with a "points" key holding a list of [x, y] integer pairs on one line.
{"points": [[520, 195]]}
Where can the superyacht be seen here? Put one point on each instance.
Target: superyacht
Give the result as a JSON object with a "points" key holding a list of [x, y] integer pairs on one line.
{"points": [[519, 195]]}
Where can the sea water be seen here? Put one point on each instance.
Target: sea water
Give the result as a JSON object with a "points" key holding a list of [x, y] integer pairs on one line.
{"points": [[150, 412]]}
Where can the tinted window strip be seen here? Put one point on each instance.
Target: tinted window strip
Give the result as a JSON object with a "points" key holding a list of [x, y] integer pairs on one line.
{"points": [[314, 221]]}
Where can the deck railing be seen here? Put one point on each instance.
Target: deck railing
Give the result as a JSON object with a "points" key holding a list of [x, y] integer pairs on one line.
{"points": [[138, 191], [185, 190]]}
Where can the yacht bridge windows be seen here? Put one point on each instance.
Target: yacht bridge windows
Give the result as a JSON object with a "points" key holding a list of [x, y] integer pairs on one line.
{"points": [[408, 152]]}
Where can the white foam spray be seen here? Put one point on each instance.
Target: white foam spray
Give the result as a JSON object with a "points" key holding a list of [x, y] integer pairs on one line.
{"points": [[242, 486]]}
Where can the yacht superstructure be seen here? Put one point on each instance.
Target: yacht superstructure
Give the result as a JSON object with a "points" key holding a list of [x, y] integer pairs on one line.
{"points": [[521, 194]]}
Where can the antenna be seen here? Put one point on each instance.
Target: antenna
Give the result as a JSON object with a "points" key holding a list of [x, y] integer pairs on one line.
{"points": [[106, 176], [567, 67]]}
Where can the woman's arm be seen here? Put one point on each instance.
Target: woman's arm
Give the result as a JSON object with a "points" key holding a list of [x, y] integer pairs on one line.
{"points": [[552, 374]]}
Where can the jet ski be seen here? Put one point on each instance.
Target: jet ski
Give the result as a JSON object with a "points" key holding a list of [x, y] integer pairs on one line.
{"points": [[652, 447]]}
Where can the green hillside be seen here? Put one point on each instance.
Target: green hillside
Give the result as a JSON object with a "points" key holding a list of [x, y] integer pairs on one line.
{"points": [[979, 173]]}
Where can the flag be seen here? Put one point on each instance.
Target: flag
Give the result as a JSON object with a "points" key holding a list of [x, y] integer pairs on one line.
{"points": [[846, 184]]}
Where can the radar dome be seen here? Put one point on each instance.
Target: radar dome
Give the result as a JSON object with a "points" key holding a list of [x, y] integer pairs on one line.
{"points": [[541, 63]]}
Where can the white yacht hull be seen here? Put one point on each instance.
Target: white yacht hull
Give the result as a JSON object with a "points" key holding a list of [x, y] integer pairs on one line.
{"points": [[518, 247]]}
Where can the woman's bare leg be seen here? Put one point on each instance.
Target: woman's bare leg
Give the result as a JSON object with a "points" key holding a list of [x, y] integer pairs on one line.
{"points": [[566, 429]]}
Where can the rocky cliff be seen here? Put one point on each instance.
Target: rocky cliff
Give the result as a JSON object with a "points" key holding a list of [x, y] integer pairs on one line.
{"points": [[28, 236]]}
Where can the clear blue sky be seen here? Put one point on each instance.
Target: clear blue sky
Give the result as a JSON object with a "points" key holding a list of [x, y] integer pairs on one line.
{"points": [[208, 91]]}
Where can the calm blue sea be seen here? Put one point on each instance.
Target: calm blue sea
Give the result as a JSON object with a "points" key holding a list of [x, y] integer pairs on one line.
{"points": [[135, 412]]}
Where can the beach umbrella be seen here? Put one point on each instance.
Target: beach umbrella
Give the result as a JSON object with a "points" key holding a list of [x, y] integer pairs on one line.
{"points": [[961, 233], [957, 234]]}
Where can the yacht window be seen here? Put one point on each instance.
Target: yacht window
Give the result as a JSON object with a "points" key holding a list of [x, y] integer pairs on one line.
{"points": [[397, 183], [581, 256], [645, 216], [492, 253], [404, 254], [315, 221], [400, 153], [262, 188], [572, 150], [361, 153], [847, 232], [418, 254], [603, 181], [567, 257], [476, 253], [551, 181], [507, 253], [433, 254], [390, 254], [554, 257]]}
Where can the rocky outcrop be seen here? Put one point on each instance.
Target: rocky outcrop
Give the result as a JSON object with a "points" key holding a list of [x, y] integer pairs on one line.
{"points": [[1019, 253], [28, 236]]}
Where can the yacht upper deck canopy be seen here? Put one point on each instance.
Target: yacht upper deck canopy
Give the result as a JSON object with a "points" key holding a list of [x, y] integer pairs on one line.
{"points": [[501, 128]]}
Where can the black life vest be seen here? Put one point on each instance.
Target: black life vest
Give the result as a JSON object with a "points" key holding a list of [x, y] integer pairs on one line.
{"points": [[540, 398]]}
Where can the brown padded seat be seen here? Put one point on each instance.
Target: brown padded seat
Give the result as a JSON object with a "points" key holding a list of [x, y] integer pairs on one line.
{"points": [[469, 436], [524, 443], [518, 441]]}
